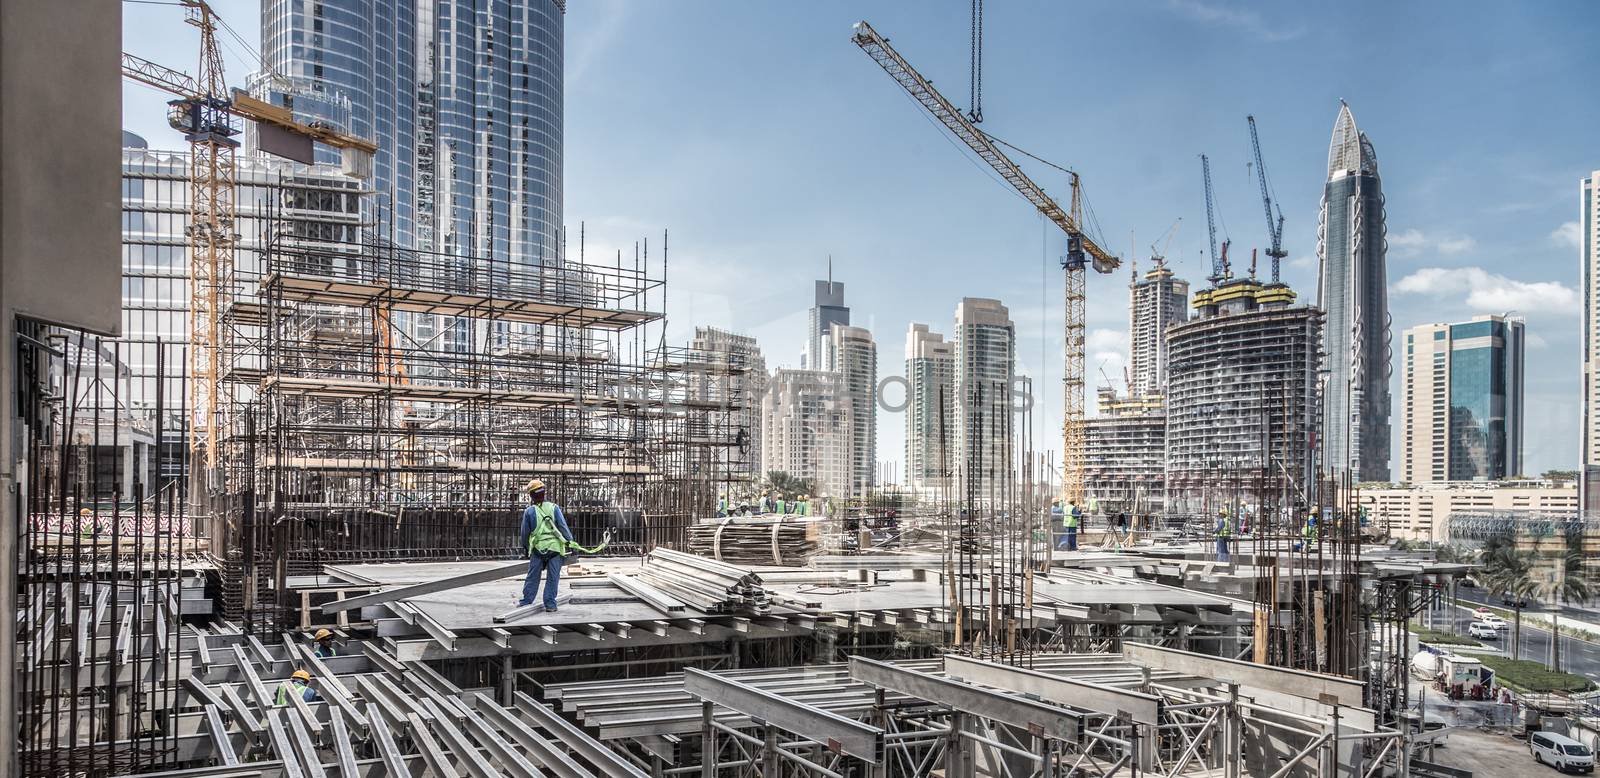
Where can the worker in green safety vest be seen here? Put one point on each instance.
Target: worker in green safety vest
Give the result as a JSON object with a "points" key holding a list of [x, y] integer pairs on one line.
{"points": [[297, 685], [546, 538]]}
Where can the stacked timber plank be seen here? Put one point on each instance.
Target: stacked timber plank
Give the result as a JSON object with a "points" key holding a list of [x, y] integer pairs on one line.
{"points": [[756, 540], [705, 584]]}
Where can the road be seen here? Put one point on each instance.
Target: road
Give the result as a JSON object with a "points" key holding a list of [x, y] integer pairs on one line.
{"points": [[1577, 655]]}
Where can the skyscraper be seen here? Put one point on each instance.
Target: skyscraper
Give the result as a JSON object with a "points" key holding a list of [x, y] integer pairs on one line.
{"points": [[1352, 291], [930, 397], [1589, 267], [986, 350], [463, 98], [736, 359], [827, 310], [805, 421], [1155, 302], [1461, 418], [853, 354]]}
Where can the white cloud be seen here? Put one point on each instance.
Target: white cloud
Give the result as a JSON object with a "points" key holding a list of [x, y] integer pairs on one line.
{"points": [[1302, 261], [1489, 293], [1568, 234], [1102, 339], [1413, 242], [1535, 340], [1239, 19]]}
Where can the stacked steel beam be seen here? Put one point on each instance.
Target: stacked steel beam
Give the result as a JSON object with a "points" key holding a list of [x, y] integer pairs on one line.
{"points": [[706, 584]]}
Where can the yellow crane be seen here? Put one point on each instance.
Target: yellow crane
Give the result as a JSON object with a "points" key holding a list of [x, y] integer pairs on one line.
{"points": [[1082, 250], [203, 112]]}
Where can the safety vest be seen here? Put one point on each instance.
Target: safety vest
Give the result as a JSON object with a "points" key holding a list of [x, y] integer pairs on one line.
{"points": [[1308, 532], [1072, 517], [780, 507], [1225, 528], [804, 508], [545, 538], [287, 688]]}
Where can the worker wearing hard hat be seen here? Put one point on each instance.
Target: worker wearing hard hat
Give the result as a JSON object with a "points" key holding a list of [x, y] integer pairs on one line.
{"points": [[325, 646], [86, 523], [1224, 533], [299, 684], [1308, 533], [545, 536]]}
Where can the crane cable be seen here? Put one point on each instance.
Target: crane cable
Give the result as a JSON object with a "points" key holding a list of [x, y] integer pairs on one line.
{"points": [[975, 67]]}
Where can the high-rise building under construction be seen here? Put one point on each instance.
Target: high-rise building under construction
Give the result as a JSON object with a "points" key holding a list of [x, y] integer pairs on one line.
{"points": [[1353, 292], [1241, 397]]}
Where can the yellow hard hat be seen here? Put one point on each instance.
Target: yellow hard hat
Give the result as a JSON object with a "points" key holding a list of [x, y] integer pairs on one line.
{"points": [[322, 634], [301, 674], [535, 485], [85, 512]]}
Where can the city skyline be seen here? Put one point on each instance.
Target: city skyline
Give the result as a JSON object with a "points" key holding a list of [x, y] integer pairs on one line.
{"points": [[906, 241]]}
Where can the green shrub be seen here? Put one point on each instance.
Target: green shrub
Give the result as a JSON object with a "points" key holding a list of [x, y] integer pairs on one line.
{"points": [[1525, 675]]}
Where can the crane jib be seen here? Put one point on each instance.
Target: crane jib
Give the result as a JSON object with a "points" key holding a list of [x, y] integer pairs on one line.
{"points": [[940, 108]]}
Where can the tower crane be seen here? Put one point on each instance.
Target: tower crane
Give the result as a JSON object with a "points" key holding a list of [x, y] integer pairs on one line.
{"points": [[1082, 250], [1159, 255], [1219, 262], [1274, 228], [204, 112]]}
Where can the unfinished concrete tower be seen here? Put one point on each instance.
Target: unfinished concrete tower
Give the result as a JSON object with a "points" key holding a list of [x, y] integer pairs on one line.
{"points": [[1241, 394]]}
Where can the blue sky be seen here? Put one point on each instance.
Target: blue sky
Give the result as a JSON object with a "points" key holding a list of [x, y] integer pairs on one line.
{"points": [[766, 141]]}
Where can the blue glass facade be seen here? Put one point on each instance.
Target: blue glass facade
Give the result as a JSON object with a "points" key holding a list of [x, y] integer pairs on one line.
{"points": [[463, 98], [1353, 292], [1485, 429]]}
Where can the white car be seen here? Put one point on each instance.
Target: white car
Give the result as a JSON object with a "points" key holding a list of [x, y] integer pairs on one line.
{"points": [[1560, 752], [1479, 629], [1493, 620]]}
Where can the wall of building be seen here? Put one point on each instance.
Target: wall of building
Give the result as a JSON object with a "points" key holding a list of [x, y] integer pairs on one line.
{"points": [[58, 222], [985, 364], [805, 422], [1422, 511], [1241, 399], [930, 398]]}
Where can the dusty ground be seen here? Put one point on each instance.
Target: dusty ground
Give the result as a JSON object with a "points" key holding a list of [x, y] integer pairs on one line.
{"points": [[1489, 755]]}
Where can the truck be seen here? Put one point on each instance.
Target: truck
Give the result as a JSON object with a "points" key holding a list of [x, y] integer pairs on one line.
{"points": [[1459, 677]]}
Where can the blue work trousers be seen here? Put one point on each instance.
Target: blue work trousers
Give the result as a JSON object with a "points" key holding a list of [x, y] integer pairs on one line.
{"points": [[530, 587], [1222, 550], [1067, 540]]}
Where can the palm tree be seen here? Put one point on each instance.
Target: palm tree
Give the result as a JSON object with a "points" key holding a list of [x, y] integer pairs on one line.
{"points": [[787, 485], [1510, 572], [1568, 587]]}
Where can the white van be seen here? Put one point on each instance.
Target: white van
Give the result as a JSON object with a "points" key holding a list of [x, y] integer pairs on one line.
{"points": [[1560, 752]]}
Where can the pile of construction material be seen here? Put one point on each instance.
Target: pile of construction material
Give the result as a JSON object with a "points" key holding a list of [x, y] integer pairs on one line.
{"points": [[705, 584], [756, 540]]}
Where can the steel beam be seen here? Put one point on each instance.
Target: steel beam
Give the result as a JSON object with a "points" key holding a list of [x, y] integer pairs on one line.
{"points": [[1084, 695], [838, 733], [1036, 717], [430, 587], [1325, 688], [573, 737]]}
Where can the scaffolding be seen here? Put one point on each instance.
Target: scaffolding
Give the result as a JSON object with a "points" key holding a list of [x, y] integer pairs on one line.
{"points": [[393, 403]]}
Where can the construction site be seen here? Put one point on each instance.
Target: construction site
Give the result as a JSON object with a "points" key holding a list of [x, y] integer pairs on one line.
{"points": [[277, 537]]}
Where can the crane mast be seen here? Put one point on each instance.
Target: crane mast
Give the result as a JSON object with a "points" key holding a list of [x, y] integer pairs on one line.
{"points": [[204, 112], [1274, 229], [1082, 251], [1219, 262], [213, 170]]}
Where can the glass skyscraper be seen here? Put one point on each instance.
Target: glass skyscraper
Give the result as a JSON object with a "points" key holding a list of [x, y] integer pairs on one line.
{"points": [[1352, 290], [1462, 391], [463, 98]]}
